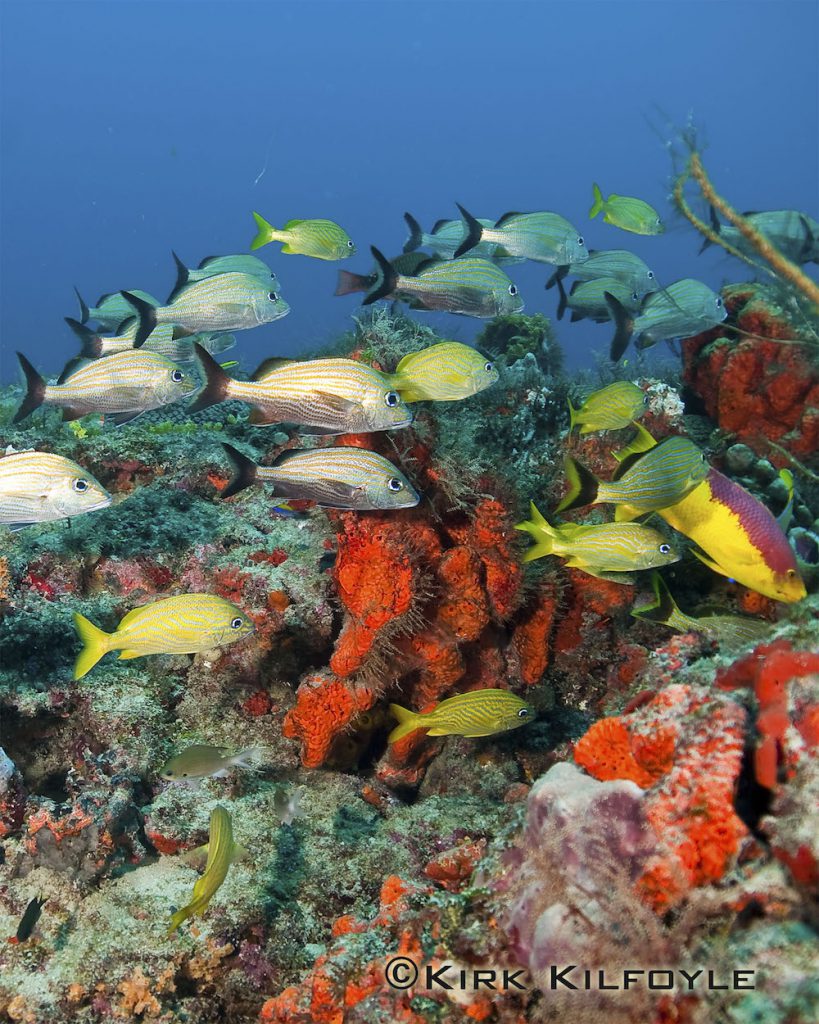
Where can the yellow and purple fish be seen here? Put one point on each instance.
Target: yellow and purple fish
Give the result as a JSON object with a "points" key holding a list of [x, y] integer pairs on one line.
{"points": [[37, 487], [321, 239], [353, 478], [222, 851], [610, 408], [322, 396], [185, 624], [477, 713], [446, 372], [609, 551], [121, 387]]}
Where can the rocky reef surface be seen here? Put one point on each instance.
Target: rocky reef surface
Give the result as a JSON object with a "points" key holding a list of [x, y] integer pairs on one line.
{"points": [[661, 812]]}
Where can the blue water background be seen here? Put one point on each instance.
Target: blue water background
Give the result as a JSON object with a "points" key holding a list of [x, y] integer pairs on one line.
{"points": [[129, 129]]}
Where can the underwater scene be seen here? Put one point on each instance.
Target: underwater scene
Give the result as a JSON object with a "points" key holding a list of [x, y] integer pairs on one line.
{"points": [[409, 513]]}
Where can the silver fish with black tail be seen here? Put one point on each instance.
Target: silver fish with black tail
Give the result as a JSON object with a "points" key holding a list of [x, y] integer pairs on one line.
{"points": [[470, 287], [163, 339], [682, 309], [352, 478], [543, 237], [322, 396], [225, 302], [241, 263], [121, 387], [37, 487], [587, 299], [407, 263], [794, 234], [620, 264], [112, 310], [447, 235]]}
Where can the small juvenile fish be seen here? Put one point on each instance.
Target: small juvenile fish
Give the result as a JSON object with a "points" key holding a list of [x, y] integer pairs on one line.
{"points": [[587, 299], [786, 515], [224, 302], [477, 713], [620, 264], [609, 551], [323, 396], [28, 922], [201, 761], [445, 237], [352, 478], [627, 213], [222, 852], [112, 310], [444, 372], [610, 408], [729, 630], [543, 237], [471, 287], [122, 386], [684, 308], [407, 263], [795, 234], [36, 487], [186, 624], [321, 239], [642, 483]]}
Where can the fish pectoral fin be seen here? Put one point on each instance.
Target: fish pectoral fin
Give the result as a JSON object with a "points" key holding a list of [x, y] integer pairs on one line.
{"points": [[121, 418], [197, 857], [240, 854], [438, 732], [339, 492], [127, 654], [287, 248], [259, 416], [627, 514], [344, 406], [14, 527]]}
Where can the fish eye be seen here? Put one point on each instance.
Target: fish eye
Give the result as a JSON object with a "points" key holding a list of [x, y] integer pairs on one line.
{"points": [[392, 399], [645, 399], [665, 549], [349, 243], [635, 296], [651, 275], [791, 573], [513, 289], [273, 296], [80, 485], [580, 240], [394, 484], [489, 367], [177, 376], [719, 303], [236, 623], [523, 713], [184, 775]]}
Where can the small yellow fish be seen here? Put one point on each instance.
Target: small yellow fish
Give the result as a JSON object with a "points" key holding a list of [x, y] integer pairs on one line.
{"points": [[186, 624], [627, 213], [222, 852], [201, 761], [446, 372], [478, 713], [322, 239], [610, 408], [609, 551]]}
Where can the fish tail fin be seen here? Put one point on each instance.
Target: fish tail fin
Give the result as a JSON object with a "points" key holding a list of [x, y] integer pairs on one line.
{"points": [[266, 232], [250, 758], [85, 314], [561, 306], [583, 486], [597, 205], [416, 234], [244, 471], [90, 343], [557, 277], [96, 643], [146, 316], [663, 606], [407, 723], [385, 282], [349, 283], [572, 415], [35, 390], [624, 325], [217, 382], [541, 530], [474, 230], [715, 227]]}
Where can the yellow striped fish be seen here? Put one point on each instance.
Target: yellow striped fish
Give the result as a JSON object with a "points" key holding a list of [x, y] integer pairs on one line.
{"points": [[446, 372], [729, 631], [222, 852], [186, 624], [643, 482], [121, 386], [112, 310], [478, 713], [627, 213], [472, 287], [162, 339], [36, 487], [333, 477], [610, 408], [609, 551], [323, 396], [224, 302], [321, 239]]}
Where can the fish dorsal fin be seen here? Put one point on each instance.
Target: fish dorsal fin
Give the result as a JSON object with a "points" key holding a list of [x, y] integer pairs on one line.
{"points": [[129, 618], [630, 460], [71, 367], [182, 275], [404, 361], [284, 457], [267, 366], [292, 224], [750, 213], [424, 265], [507, 216], [442, 223]]}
